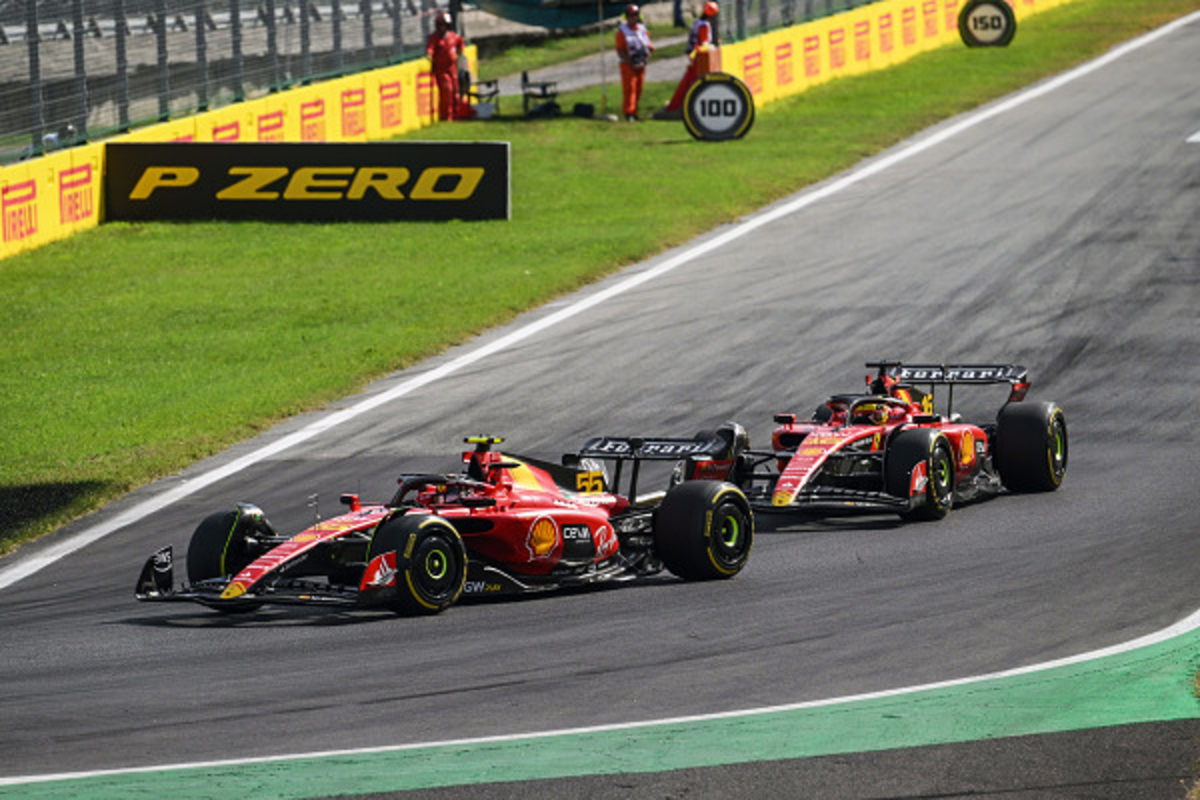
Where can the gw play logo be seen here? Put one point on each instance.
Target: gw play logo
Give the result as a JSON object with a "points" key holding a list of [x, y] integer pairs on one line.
{"points": [[284, 181]]}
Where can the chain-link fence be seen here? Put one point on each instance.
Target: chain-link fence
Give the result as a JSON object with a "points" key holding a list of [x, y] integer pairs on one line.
{"points": [[752, 17], [73, 70]]}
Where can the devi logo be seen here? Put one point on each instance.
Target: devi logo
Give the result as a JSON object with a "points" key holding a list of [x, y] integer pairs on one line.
{"points": [[391, 107], [424, 94], [950, 9], [230, 132], [752, 72], [887, 36], [270, 127], [837, 49], [294, 181], [862, 40], [812, 56], [929, 9], [908, 25], [354, 112], [312, 121], [783, 64], [18, 205], [76, 195]]}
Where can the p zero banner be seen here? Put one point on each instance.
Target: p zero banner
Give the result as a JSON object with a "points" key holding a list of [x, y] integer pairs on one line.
{"points": [[308, 181]]}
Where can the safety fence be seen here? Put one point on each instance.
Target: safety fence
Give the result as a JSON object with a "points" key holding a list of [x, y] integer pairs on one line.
{"points": [[741, 19], [59, 193], [75, 70]]}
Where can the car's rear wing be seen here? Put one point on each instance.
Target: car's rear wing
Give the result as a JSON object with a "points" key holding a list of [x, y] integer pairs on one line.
{"points": [[952, 375], [656, 449], [718, 445]]}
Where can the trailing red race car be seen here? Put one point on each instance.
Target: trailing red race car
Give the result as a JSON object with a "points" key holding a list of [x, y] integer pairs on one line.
{"points": [[888, 450], [506, 524]]}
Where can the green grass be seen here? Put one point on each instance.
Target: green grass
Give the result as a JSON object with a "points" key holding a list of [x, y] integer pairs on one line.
{"points": [[132, 350]]}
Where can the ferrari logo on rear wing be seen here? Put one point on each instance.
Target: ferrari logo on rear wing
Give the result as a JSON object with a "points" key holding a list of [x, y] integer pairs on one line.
{"points": [[931, 375], [650, 449], [950, 374]]}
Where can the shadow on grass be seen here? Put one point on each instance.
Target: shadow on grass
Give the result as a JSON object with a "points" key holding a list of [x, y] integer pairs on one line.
{"points": [[28, 509]]}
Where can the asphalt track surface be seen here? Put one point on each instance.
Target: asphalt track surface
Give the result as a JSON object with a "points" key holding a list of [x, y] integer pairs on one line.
{"points": [[1059, 233]]}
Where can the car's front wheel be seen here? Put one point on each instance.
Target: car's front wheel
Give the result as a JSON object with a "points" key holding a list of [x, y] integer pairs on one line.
{"points": [[220, 544], [704, 530], [431, 563], [920, 467]]}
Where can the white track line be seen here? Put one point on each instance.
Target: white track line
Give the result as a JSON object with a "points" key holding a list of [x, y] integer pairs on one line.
{"points": [[1186, 625]]}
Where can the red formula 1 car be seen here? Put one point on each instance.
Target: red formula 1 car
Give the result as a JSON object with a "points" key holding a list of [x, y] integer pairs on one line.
{"points": [[505, 524], [888, 450]]}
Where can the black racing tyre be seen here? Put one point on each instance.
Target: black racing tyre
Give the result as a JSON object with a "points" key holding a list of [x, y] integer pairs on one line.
{"points": [[1030, 451], [218, 547], [906, 451], [431, 563], [704, 530]]}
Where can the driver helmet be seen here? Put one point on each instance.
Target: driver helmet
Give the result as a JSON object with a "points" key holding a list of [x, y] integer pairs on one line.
{"points": [[870, 414]]}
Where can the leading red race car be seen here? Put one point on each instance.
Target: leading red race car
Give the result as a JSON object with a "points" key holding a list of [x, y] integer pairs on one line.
{"points": [[888, 450], [505, 524]]}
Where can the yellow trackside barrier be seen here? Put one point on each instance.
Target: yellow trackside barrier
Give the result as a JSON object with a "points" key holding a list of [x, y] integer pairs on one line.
{"points": [[61, 193]]}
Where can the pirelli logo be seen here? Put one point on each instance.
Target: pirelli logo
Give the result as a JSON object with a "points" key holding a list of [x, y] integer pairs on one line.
{"points": [[18, 207], [305, 181]]}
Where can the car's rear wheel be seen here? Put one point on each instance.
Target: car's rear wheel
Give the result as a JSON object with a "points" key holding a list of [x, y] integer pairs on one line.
{"points": [[910, 451], [1030, 451], [431, 563], [704, 530]]}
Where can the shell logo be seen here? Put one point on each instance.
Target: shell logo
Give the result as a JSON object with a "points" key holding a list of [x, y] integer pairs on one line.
{"points": [[542, 538], [968, 448], [233, 591], [782, 498]]}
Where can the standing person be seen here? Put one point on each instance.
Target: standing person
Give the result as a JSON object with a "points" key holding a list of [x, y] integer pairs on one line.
{"points": [[443, 48], [633, 49], [702, 34]]}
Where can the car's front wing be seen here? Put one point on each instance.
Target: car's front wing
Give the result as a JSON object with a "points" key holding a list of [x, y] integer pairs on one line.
{"points": [[157, 584], [826, 499]]}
